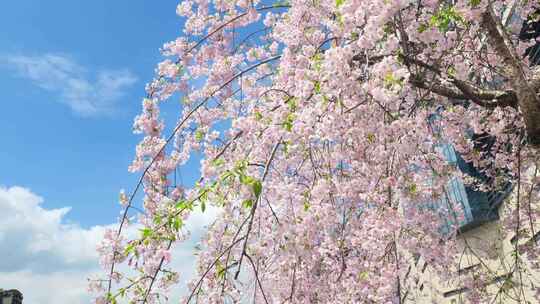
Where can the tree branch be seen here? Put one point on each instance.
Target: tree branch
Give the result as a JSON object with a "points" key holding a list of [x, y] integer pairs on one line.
{"points": [[466, 91], [527, 99], [254, 208]]}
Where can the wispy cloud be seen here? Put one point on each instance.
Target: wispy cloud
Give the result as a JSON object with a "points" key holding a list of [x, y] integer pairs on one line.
{"points": [[87, 96]]}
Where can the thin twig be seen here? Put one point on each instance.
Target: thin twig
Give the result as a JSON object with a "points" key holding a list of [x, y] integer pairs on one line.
{"points": [[254, 208]]}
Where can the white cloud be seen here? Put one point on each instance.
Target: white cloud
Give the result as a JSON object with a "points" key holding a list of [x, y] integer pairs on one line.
{"points": [[60, 287], [61, 75], [35, 238], [49, 261]]}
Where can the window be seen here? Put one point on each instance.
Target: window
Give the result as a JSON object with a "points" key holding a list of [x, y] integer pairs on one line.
{"points": [[477, 207], [531, 30]]}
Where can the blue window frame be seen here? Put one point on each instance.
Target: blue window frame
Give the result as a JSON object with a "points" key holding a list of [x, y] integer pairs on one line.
{"points": [[477, 207]]}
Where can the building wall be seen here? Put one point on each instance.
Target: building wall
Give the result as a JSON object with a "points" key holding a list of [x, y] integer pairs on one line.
{"points": [[486, 257]]}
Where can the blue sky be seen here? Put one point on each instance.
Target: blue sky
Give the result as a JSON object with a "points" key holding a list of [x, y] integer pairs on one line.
{"points": [[72, 75], [68, 156]]}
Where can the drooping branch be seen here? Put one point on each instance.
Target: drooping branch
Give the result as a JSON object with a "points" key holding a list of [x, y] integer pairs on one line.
{"points": [[154, 277], [254, 208], [210, 267], [167, 142]]}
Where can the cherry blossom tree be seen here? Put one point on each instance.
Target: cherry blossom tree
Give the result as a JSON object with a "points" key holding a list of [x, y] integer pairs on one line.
{"points": [[319, 124]]}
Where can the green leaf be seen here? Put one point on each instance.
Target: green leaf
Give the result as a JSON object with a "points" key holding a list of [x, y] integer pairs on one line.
{"points": [[339, 2], [177, 224], [203, 206], [199, 135], [247, 204], [288, 124], [317, 87], [129, 248], [444, 17], [181, 204], [413, 188], [220, 270], [363, 275], [247, 180], [291, 102], [317, 61], [390, 80], [225, 175], [451, 71], [203, 194], [339, 18], [371, 138], [218, 162], [474, 3], [146, 232], [286, 145], [257, 188], [111, 298]]}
